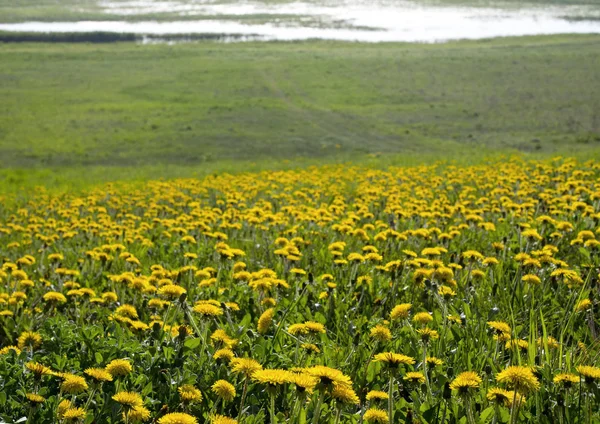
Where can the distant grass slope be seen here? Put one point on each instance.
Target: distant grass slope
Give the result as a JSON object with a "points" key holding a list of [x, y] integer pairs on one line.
{"points": [[126, 104]]}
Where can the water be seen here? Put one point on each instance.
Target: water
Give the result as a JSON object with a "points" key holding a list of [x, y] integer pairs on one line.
{"points": [[352, 20]]}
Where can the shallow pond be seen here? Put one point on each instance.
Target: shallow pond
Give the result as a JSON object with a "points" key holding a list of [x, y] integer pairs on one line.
{"points": [[355, 20]]}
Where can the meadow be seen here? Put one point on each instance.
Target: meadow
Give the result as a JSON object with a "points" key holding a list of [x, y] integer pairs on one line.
{"points": [[297, 232], [130, 105], [433, 293]]}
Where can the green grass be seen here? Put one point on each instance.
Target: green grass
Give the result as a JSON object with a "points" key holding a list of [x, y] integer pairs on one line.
{"points": [[189, 104]]}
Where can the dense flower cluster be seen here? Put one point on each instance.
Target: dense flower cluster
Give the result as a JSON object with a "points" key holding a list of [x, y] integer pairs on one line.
{"points": [[331, 294]]}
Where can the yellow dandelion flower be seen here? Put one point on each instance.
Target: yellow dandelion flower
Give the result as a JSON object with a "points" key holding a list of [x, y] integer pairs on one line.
{"points": [[63, 406], [222, 419], [589, 373], [73, 384], [583, 305], [422, 318], [377, 395], [381, 333], [394, 359], [465, 382], [54, 297], [224, 390], [566, 380], [245, 366], [519, 378], [177, 418], [499, 396], [119, 367], [137, 414], [29, 339], [224, 354], [415, 377], [428, 334], [376, 416], [171, 291], [345, 394], [327, 376], [304, 382], [99, 374], [189, 394], [7, 349], [208, 310], [265, 320], [499, 327], [128, 399], [73, 414], [34, 398]]}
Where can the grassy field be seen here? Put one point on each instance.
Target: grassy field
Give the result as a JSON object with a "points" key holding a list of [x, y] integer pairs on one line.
{"points": [[337, 294], [188, 104]]}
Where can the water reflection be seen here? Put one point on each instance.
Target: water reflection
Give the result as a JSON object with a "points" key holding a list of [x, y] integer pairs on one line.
{"points": [[336, 20]]}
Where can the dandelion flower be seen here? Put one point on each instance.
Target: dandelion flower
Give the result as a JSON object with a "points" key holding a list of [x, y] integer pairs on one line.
{"points": [[99, 374], [265, 320], [222, 419], [73, 384], [38, 369], [465, 381], [177, 418], [171, 291], [224, 354], [415, 377], [566, 380], [245, 366], [500, 327], [272, 377], [34, 398], [519, 378], [345, 394], [400, 311], [73, 414], [428, 334], [137, 414], [381, 333], [119, 367], [5, 350], [583, 305], [224, 390], [29, 339], [62, 407], [208, 310], [422, 318], [377, 395], [394, 359], [128, 399], [590, 374], [376, 416], [189, 394], [328, 376], [54, 297], [499, 396], [304, 382]]}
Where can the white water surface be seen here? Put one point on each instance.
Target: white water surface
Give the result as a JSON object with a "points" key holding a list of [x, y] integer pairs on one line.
{"points": [[351, 20]]}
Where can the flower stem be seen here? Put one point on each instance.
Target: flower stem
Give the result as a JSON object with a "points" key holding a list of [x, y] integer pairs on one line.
{"points": [[244, 391], [317, 409], [338, 414], [272, 408], [391, 399]]}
